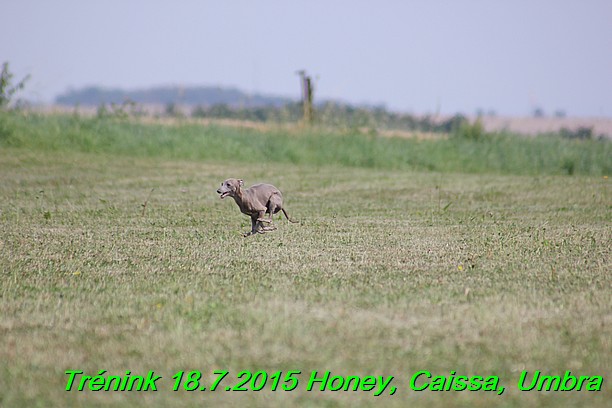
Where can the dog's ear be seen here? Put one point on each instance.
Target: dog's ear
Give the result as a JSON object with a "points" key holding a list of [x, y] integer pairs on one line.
{"points": [[241, 182]]}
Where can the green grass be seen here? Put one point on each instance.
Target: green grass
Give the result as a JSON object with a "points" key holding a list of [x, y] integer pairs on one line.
{"points": [[500, 154], [393, 268]]}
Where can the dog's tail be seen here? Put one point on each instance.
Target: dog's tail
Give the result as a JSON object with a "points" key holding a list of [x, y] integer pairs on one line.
{"points": [[288, 218]]}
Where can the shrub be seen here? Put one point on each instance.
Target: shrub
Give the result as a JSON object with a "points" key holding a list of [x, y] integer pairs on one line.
{"points": [[582, 133], [7, 89], [470, 131]]}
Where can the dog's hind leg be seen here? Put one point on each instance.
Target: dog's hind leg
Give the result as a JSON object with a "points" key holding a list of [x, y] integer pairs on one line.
{"points": [[270, 227], [272, 207]]}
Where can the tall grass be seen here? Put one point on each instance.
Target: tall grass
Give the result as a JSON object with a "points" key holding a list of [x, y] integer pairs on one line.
{"points": [[500, 153]]}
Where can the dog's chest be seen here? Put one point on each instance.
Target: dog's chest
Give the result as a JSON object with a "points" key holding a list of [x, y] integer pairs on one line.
{"points": [[247, 211]]}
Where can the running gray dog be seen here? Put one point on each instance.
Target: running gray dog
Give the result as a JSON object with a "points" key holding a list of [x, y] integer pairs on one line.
{"points": [[255, 201]]}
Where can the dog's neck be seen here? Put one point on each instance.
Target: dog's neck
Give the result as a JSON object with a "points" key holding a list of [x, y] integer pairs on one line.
{"points": [[244, 204], [238, 197]]}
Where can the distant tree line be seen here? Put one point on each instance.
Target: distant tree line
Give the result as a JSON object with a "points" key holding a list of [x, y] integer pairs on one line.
{"points": [[228, 103], [192, 96]]}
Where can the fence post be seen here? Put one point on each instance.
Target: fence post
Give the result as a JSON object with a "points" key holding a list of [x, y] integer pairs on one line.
{"points": [[307, 94]]}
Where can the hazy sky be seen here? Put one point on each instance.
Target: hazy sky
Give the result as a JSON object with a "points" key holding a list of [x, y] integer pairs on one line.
{"points": [[416, 56]]}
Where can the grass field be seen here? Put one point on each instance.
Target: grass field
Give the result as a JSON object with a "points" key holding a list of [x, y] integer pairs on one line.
{"points": [[453, 257]]}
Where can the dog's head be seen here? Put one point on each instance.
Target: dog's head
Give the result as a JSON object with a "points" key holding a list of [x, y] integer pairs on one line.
{"points": [[229, 187]]}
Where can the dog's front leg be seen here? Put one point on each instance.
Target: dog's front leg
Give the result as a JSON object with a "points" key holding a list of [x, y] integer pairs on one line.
{"points": [[254, 225]]}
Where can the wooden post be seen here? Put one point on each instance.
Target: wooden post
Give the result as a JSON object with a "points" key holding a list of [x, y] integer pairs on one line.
{"points": [[307, 92]]}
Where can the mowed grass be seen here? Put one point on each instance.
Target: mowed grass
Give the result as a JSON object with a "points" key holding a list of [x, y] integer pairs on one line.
{"points": [[390, 271]]}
